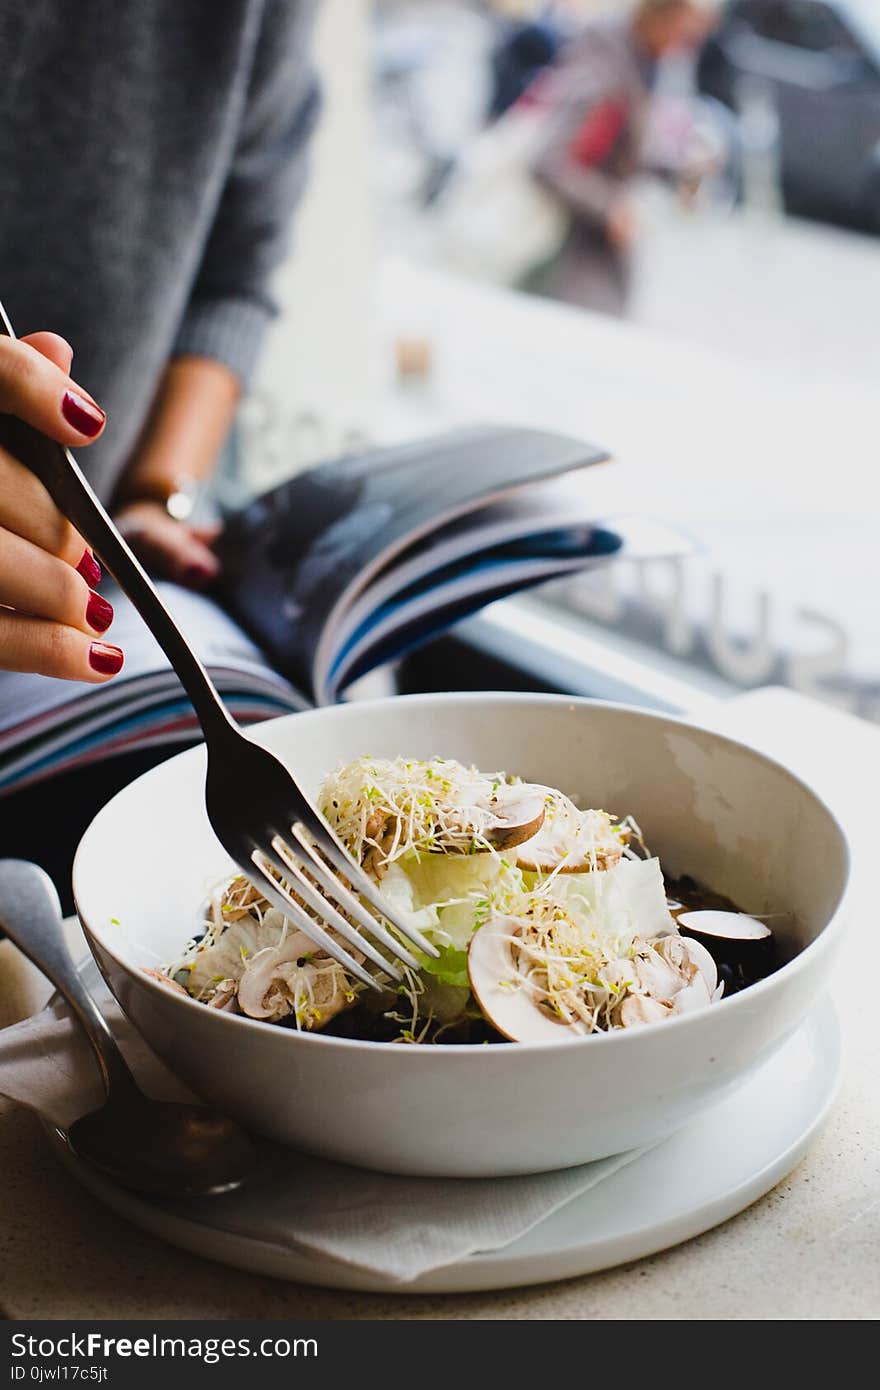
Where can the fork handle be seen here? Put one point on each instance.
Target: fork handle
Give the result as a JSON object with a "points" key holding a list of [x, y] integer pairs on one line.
{"points": [[65, 483]]}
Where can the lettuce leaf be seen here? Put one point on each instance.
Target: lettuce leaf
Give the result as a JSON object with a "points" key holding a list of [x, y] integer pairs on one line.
{"points": [[450, 967]]}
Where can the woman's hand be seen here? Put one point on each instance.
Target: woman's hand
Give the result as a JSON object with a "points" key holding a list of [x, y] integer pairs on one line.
{"points": [[170, 548], [51, 620]]}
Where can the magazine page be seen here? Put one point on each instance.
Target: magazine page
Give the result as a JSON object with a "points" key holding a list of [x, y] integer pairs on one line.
{"points": [[535, 511], [48, 724], [296, 557], [172, 722], [391, 632], [458, 589], [159, 713]]}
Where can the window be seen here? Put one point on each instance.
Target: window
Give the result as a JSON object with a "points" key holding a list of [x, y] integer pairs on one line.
{"points": [[734, 417]]}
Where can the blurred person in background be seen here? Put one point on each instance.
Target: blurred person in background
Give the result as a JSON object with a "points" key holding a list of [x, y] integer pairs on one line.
{"points": [[151, 155], [592, 144], [523, 50]]}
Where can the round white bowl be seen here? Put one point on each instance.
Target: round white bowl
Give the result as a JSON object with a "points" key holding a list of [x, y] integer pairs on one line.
{"points": [[707, 805]]}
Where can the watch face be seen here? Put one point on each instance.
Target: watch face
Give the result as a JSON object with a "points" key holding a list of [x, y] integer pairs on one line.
{"points": [[181, 500], [180, 505]]}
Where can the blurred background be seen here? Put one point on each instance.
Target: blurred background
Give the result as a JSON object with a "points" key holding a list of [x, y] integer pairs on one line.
{"points": [[652, 226]]}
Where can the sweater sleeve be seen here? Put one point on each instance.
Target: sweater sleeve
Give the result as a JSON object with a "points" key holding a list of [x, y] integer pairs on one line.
{"points": [[231, 302]]}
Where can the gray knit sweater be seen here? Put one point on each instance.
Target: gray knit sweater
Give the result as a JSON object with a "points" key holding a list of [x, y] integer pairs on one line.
{"points": [[151, 152]]}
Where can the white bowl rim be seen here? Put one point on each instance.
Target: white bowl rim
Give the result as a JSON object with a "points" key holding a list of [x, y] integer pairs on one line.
{"points": [[617, 1037]]}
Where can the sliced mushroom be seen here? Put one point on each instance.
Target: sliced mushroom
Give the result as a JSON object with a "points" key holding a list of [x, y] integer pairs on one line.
{"points": [[663, 977], [503, 995], [258, 996], [164, 980], [678, 949], [517, 815], [641, 1008], [282, 979], [238, 898], [570, 841], [655, 977], [225, 996], [503, 819], [618, 976], [695, 995], [224, 952], [731, 938]]}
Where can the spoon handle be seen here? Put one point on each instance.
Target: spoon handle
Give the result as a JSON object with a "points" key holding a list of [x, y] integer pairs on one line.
{"points": [[30, 915]]}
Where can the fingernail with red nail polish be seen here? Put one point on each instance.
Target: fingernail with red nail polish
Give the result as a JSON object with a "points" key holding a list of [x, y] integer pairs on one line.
{"points": [[104, 659], [99, 613], [197, 577], [89, 568], [84, 415]]}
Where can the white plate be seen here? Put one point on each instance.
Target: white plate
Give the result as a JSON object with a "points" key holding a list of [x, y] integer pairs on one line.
{"points": [[712, 1169]]}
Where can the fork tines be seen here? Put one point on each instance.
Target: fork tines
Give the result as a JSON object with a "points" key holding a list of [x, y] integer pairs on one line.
{"points": [[320, 842], [304, 873], [280, 898]]}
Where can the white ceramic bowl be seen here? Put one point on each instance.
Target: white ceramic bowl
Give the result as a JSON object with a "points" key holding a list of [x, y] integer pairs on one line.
{"points": [[707, 805]]}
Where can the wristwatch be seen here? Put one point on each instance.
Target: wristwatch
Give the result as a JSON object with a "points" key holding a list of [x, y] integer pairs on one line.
{"points": [[177, 495]]}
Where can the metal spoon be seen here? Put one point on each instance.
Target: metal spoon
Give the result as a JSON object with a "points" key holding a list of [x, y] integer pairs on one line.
{"points": [[153, 1146]]}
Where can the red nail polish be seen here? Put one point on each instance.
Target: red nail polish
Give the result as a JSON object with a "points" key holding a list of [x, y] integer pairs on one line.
{"points": [[89, 568], [196, 577], [105, 659], [84, 415], [99, 613]]}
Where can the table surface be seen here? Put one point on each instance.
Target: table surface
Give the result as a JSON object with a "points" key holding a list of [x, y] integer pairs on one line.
{"points": [[809, 1249]]}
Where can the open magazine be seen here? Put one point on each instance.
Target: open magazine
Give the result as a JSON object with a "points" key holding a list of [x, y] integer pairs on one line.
{"points": [[340, 569]]}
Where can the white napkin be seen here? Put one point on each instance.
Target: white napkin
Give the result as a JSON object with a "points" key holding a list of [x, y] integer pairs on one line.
{"points": [[396, 1227]]}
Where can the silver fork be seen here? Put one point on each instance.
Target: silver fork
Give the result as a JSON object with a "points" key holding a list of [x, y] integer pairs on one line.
{"points": [[278, 827]]}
